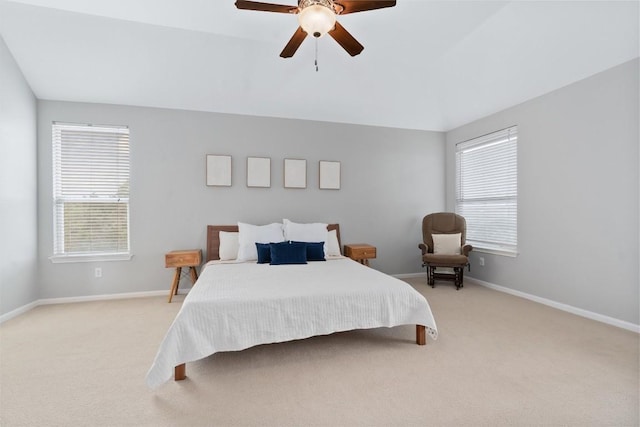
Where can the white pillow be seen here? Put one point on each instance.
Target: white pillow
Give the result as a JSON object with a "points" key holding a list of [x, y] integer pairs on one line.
{"points": [[229, 243], [446, 244], [314, 232], [249, 235], [332, 247]]}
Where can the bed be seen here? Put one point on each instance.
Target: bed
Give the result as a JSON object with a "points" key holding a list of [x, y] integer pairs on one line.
{"points": [[237, 305]]}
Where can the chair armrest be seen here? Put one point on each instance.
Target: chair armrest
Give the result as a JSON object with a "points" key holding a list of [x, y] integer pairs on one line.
{"points": [[466, 249], [424, 248]]}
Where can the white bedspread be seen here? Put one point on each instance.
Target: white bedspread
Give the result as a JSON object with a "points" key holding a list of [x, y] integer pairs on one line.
{"points": [[234, 306]]}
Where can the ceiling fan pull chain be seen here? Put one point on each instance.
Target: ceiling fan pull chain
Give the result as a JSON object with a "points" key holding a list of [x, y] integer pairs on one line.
{"points": [[316, 62]]}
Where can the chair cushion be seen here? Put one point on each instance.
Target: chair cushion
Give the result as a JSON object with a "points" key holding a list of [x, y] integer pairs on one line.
{"points": [[446, 244], [437, 260]]}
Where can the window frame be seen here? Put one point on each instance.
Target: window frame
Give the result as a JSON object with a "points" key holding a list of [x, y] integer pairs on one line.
{"points": [[60, 255], [510, 190]]}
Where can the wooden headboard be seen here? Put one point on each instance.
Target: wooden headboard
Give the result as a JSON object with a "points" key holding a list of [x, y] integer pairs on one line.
{"points": [[213, 238]]}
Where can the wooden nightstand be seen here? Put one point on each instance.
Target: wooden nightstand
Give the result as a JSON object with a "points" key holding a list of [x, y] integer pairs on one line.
{"points": [[177, 259], [360, 252]]}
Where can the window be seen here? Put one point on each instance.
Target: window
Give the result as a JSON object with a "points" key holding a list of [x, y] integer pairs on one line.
{"points": [[90, 192], [487, 190]]}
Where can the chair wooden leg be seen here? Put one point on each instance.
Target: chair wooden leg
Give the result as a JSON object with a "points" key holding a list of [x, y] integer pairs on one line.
{"points": [[457, 277]]}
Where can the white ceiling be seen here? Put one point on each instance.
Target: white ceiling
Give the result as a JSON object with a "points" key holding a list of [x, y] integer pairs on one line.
{"points": [[431, 65]]}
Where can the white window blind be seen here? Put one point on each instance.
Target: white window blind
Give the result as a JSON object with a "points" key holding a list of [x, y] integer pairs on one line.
{"points": [[487, 190], [90, 190]]}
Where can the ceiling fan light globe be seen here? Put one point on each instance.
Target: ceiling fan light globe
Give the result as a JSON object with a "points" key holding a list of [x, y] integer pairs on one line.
{"points": [[317, 20]]}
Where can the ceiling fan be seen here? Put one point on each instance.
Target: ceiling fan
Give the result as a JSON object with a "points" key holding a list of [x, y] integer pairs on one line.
{"points": [[318, 17]]}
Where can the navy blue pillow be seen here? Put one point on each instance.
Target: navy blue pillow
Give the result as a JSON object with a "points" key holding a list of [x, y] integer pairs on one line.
{"points": [[264, 253], [315, 251], [288, 253]]}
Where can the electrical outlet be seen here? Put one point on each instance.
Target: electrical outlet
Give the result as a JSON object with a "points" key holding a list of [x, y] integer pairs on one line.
{"points": [[481, 261], [98, 272]]}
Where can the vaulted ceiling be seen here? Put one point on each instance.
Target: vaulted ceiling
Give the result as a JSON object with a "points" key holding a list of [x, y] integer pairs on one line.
{"points": [[431, 65]]}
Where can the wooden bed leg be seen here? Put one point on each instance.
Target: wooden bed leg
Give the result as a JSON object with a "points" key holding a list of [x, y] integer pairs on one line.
{"points": [[421, 335], [180, 372]]}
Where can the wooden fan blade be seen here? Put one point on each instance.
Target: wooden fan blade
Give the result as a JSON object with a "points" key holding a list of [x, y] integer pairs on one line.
{"points": [[265, 7], [353, 6], [294, 43], [346, 40]]}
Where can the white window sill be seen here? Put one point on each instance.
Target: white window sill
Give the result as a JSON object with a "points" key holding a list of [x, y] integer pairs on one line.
{"points": [[493, 251], [60, 259]]}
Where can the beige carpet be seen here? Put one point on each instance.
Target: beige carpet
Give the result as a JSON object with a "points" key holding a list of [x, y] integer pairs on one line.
{"points": [[499, 360]]}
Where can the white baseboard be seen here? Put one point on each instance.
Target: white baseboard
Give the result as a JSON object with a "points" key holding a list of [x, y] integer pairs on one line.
{"points": [[105, 297], [18, 311], [560, 306], [410, 275], [68, 300]]}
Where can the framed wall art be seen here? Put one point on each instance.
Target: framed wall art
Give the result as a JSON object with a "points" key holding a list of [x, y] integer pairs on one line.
{"points": [[259, 172], [295, 173], [218, 170], [329, 175]]}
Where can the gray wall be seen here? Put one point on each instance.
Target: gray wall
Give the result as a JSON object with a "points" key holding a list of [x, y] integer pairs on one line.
{"points": [[390, 179], [18, 191], [578, 182], [577, 193]]}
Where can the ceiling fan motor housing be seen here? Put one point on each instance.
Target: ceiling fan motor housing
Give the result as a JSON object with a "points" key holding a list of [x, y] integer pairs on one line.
{"points": [[302, 4]]}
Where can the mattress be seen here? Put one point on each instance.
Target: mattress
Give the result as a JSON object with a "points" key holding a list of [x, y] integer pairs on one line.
{"points": [[234, 306]]}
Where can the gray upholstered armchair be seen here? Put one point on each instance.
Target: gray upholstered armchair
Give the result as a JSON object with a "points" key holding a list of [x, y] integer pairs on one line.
{"points": [[444, 247]]}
